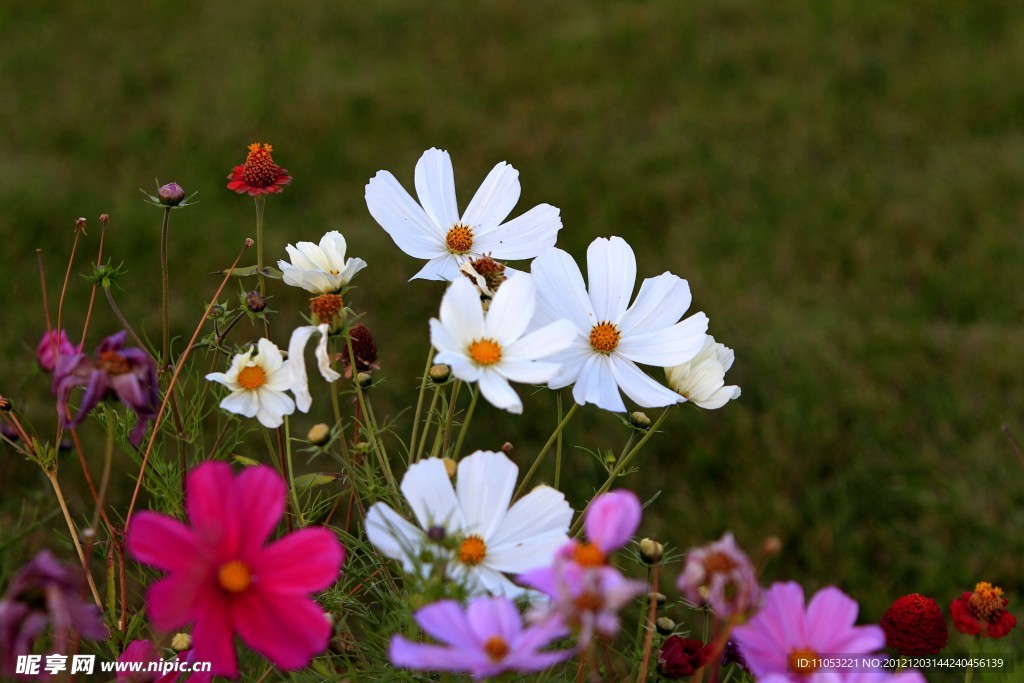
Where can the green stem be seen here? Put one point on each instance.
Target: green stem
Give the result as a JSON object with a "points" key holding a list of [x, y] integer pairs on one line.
{"points": [[291, 471], [419, 404], [474, 394], [451, 416], [558, 442], [261, 204], [426, 427], [371, 427], [969, 674], [52, 476], [108, 458], [165, 356], [543, 451]]}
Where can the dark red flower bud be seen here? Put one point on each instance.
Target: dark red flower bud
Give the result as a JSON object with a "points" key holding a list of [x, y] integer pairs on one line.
{"points": [[681, 657], [914, 626]]}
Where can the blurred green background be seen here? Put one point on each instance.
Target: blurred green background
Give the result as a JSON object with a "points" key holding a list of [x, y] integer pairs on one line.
{"points": [[841, 184]]}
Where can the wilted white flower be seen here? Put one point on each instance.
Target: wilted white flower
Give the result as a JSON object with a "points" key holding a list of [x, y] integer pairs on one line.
{"points": [[612, 336], [322, 268], [258, 382], [702, 379], [490, 348], [434, 230], [297, 362]]}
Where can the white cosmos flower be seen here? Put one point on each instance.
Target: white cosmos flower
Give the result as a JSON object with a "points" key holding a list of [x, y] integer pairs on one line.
{"points": [[434, 230], [297, 362], [702, 379], [491, 349], [492, 538], [258, 383], [612, 336], [322, 268]]}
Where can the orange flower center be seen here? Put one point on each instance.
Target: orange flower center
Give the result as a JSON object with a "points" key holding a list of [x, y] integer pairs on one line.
{"points": [[485, 351], [259, 169], [252, 377], [113, 363], [588, 555], [604, 336], [496, 648], [326, 307], [986, 602], [803, 661], [472, 550], [459, 239], [718, 563], [234, 576]]}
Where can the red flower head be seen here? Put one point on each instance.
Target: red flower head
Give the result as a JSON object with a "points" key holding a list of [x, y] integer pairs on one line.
{"points": [[259, 174], [983, 612], [224, 578], [681, 657], [914, 626]]}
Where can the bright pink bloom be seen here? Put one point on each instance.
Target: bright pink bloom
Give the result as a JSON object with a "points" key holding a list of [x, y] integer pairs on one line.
{"points": [[224, 578], [721, 576], [52, 346], [783, 633], [587, 593], [485, 639]]}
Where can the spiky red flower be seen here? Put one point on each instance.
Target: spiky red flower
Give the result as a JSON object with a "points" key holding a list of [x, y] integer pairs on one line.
{"points": [[364, 348], [914, 626], [983, 612], [259, 174]]}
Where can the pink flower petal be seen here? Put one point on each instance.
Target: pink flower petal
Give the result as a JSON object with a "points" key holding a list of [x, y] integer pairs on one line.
{"points": [[300, 563], [446, 621], [212, 508], [612, 519], [213, 639], [260, 493], [407, 654], [172, 601], [161, 542], [287, 630]]}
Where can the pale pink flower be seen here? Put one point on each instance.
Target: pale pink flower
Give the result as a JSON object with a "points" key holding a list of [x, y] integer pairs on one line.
{"points": [[721, 576]]}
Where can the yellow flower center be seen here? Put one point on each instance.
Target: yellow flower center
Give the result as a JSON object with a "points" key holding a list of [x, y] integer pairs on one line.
{"points": [[803, 661], [459, 239], [496, 648], [472, 550], [485, 351], [588, 555], [604, 336], [259, 169], [326, 307], [234, 576], [252, 377], [986, 602]]}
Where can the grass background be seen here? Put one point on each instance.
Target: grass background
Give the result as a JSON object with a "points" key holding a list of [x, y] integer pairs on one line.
{"points": [[841, 184]]}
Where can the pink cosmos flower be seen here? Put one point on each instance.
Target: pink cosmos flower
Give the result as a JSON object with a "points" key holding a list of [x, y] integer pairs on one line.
{"points": [[485, 639], [52, 346], [783, 633], [224, 578], [721, 576], [586, 592]]}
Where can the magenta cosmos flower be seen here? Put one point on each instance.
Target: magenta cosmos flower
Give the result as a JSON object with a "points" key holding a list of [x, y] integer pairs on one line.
{"points": [[587, 593], [485, 639], [129, 374], [784, 634], [52, 346], [225, 579]]}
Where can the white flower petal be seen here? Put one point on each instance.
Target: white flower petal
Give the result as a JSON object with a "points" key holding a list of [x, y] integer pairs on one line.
{"points": [[542, 510], [442, 340], [487, 580], [333, 246], [526, 552], [543, 343], [224, 379], [661, 302], [560, 289], [462, 312], [498, 392], [314, 255], [395, 537], [299, 259], [571, 361], [611, 273], [435, 187], [524, 236], [511, 310], [640, 388], [667, 346], [596, 384], [431, 496], [495, 199], [298, 379], [268, 356], [485, 484], [462, 367], [353, 266], [323, 357], [273, 407], [411, 229], [443, 267], [241, 402], [529, 371]]}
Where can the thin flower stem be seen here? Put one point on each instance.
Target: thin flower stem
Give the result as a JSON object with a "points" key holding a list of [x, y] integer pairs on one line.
{"points": [[108, 459], [644, 604], [645, 659], [291, 471], [261, 204], [619, 467], [165, 350], [124, 321], [174, 380], [558, 442], [419, 403], [451, 415], [543, 451], [42, 281], [52, 476], [371, 430], [474, 393], [426, 427], [92, 295]]}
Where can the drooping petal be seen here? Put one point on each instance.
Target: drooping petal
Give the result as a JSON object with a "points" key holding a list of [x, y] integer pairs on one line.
{"points": [[612, 519], [435, 187], [298, 379], [485, 484], [323, 357], [499, 393], [286, 629], [640, 388], [524, 236], [495, 199], [300, 563], [560, 289], [611, 273], [402, 218], [162, 542], [431, 496]]}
